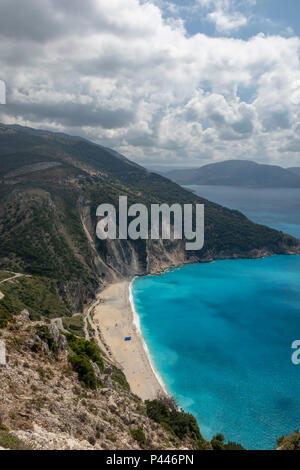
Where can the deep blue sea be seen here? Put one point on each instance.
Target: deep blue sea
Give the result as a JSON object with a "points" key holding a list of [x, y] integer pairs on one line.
{"points": [[220, 334]]}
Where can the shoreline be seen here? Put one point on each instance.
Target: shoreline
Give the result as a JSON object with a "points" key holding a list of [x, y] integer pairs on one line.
{"points": [[137, 325], [115, 318]]}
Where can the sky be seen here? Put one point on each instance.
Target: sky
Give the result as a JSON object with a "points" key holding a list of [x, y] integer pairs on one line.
{"points": [[164, 82]]}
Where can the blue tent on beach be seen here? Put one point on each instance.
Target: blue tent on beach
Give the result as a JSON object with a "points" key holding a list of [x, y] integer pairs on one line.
{"points": [[128, 338]]}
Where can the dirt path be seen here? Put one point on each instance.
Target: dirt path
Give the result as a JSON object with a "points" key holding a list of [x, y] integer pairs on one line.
{"points": [[88, 317], [9, 279]]}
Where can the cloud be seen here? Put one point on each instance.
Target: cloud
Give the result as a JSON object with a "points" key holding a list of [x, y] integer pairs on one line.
{"points": [[124, 75], [73, 114], [226, 15], [226, 22]]}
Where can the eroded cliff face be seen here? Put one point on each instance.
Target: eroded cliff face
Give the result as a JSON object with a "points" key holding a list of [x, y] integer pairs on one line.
{"points": [[124, 259], [112, 259]]}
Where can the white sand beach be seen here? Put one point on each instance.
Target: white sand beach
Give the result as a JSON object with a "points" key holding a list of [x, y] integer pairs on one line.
{"points": [[115, 319]]}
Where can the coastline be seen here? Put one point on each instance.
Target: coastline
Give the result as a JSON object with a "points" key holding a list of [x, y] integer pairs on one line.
{"points": [[137, 325], [115, 318]]}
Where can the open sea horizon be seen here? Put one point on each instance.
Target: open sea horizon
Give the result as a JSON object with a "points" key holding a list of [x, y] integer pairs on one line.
{"points": [[220, 333]]}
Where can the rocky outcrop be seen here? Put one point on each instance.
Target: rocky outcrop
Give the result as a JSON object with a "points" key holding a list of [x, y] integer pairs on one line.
{"points": [[2, 353], [59, 340]]}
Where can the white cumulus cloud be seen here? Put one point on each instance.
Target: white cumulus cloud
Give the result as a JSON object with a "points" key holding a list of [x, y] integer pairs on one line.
{"points": [[122, 74]]}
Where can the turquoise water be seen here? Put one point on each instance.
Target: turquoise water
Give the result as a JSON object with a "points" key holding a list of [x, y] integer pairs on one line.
{"points": [[220, 335], [277, 208]]}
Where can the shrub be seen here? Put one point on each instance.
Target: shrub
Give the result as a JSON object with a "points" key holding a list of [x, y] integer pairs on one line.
{"points": [[185, 425], [119, 377], [217, 445], [177, 421], [82, 353], [290, 442], [138, 435], [82, 347], [82, 365], [219, 437], [158, 411]]}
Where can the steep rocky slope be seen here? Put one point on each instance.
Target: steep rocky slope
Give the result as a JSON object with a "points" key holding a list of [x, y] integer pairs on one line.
{"points": [[46, 406]]}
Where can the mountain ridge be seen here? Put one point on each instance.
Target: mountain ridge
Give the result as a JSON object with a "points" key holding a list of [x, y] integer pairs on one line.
{"points": [[237, 173]]}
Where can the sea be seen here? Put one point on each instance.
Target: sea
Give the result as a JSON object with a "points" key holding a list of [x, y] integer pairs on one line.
{"points": [[220, 334]]}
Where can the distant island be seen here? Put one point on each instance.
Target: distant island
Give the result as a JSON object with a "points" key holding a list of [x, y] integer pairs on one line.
{"points": [[238, 173], [295, 169]]}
